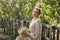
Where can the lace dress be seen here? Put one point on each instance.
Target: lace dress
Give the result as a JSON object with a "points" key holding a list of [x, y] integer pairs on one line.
{"points": [[35, 27]]}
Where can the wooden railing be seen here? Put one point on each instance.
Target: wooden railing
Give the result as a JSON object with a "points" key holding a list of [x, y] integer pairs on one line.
{"points": [[46, 32], [56, 33], [10, 28]]}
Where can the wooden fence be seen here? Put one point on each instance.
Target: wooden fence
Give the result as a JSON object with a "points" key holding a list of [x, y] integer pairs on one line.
{"points": [[10, 28]]}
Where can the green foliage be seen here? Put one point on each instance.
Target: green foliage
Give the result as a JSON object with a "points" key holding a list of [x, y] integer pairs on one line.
{"points": [[50, 10], [22, 10]]}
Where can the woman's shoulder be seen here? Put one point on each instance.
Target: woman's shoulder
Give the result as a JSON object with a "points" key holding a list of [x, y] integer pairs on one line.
{"points": [[18, 38]]}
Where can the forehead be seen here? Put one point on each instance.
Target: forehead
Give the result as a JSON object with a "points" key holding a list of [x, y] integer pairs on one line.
{"points": [[35, 9]]}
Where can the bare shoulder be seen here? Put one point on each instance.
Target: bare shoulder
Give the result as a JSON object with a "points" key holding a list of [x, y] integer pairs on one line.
{"points": [[18, 38]]}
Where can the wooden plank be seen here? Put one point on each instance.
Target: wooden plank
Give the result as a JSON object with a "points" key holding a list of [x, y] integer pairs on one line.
{"points": [[53, 33], [57, 34]]}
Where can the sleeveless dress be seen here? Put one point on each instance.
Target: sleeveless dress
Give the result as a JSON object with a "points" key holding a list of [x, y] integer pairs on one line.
{"points": [[35, 27]]}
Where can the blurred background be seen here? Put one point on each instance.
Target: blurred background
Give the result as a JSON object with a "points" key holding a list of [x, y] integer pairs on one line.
{"points": [[12, 11]]}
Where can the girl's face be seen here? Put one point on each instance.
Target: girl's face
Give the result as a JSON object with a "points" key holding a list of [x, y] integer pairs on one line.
{"points": [[35, 13]]}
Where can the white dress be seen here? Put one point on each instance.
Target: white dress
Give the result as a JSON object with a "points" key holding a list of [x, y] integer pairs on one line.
{"points": [[23, 38], [35, 27]]}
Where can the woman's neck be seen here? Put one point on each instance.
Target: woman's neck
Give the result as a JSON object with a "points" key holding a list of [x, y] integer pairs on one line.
{"points": [[35, 17]]}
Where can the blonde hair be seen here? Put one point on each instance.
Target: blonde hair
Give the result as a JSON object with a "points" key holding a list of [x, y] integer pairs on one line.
{"points": [[22, 31]]}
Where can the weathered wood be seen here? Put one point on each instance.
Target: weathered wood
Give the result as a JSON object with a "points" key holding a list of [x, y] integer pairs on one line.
{"points": [[57, 34], [53, 33], [46, 29]]}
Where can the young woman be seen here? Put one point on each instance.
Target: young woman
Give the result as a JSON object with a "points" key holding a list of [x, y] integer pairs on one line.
{"points": [[35, 25]]}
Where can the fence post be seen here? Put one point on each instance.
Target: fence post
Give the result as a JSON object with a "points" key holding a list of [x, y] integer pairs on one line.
{"points": [[53, 32], [57, 34]]}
